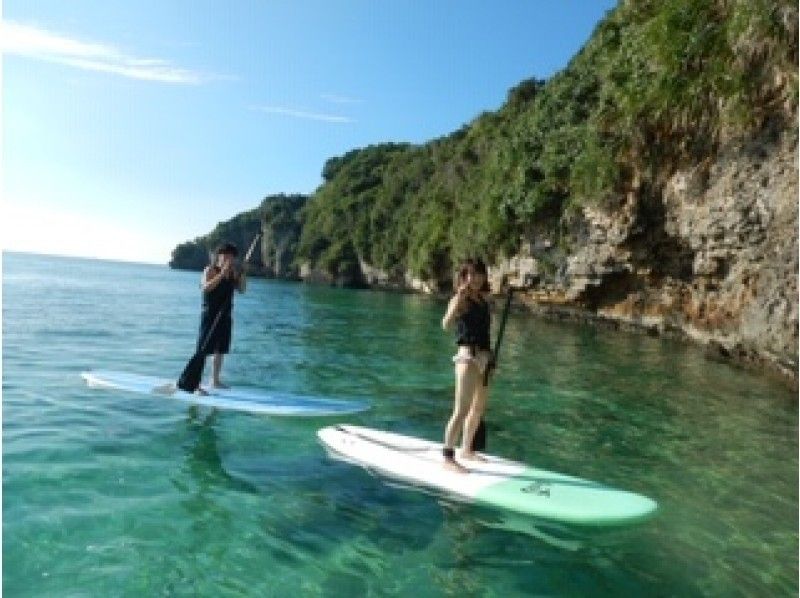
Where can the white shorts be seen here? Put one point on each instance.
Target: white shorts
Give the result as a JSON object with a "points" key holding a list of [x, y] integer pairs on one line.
{"points": [[480, 358]]}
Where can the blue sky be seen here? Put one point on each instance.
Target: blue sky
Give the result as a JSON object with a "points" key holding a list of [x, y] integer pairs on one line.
{"points": [[131, 126]]}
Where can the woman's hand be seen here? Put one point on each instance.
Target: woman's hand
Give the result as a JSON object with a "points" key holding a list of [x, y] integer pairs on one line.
{"points": [[463, 293], [227, 269]]}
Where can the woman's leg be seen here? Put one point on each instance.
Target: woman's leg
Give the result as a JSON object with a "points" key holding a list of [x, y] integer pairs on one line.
{"points": [[473, 419], [466, 379], [215, 381], [221, 346]]}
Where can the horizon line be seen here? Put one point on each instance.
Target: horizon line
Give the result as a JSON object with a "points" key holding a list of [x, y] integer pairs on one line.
{"points": [[83, 257]]}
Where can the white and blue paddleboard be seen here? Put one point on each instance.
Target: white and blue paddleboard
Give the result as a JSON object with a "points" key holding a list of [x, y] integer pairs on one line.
{"points": [[249, 400], [497, 483]]}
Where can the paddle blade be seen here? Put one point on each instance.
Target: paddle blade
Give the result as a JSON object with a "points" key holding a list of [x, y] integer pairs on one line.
{"points": [[192, 373]]}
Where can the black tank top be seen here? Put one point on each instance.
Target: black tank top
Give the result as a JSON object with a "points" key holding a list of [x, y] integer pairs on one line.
{"points": [[472, 327], [220, 297]]}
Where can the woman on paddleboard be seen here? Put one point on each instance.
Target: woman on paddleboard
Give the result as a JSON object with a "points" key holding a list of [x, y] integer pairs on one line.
{"points": [[469, 310], [219, 280]]}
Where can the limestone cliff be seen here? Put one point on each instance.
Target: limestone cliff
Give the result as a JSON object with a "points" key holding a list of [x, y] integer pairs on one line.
{"points": [[711, 254], [280, 227]]}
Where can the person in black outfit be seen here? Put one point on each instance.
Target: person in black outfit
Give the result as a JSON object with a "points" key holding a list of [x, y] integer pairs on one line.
{"points": [[220, 278], [469, 310]]}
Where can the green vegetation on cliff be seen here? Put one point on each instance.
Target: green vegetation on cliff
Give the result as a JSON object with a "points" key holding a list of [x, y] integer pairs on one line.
{"points": [[660, 84], [277, 217]]}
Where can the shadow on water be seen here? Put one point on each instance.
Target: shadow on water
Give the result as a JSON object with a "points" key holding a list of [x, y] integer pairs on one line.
{"points": [[332, 509], [310, 510], [203, 462]]}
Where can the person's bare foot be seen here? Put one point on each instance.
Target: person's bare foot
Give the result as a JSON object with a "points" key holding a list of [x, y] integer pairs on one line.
{"points": [[472, 456], [219, 385], [453, 465]]}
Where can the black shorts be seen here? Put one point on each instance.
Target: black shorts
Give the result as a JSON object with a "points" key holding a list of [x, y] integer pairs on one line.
{"points": [[220, 339]]}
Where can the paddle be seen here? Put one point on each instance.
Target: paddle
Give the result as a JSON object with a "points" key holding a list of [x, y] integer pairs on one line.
{"points": [[189, 379], [500, 331], [479, 440]]}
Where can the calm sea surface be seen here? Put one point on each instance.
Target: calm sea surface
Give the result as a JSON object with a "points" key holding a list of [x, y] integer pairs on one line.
{"points": [[115, 494]]}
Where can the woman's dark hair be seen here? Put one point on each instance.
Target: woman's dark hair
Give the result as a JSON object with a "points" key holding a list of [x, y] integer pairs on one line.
{"points": [[223, 249], [478, 266]]}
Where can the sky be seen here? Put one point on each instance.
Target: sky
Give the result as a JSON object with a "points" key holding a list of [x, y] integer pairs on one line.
{"points": [[130, 126]]}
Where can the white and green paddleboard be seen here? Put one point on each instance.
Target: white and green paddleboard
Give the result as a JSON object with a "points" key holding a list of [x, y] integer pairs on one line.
{"points": [[498, 483]]}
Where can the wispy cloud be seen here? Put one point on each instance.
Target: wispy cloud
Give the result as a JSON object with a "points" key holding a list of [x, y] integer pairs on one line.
{"points": [[331, 118], [40, 44], [339, 99]]}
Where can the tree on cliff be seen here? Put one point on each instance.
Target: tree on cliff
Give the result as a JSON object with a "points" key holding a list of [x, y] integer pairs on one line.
{"points": [[659, 85], [277, 217]]}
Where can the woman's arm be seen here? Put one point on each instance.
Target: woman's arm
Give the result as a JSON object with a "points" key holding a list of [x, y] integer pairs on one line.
{"points": [[454, 309], [209, 281]]}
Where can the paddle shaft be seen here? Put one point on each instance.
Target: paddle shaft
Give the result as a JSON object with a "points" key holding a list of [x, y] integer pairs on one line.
{"points": [[500, 331], [479, 439], [250, 250], [212, 328]]}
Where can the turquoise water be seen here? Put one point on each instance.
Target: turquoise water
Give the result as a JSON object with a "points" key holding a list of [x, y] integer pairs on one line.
{"points": [[106, 493]]}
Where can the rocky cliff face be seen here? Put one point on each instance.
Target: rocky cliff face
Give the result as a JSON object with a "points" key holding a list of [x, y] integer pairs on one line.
{"points": [[280, 230], [278, 252], [679, 117], [712, 254]]}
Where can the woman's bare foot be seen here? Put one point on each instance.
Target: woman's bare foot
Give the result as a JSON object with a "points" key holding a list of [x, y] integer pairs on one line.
{"points": [[472, 456], [453, 465], [219, 384]]}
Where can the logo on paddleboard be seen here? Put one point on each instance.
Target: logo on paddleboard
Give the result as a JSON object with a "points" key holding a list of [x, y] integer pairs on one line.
{"points": [[537, 488]]}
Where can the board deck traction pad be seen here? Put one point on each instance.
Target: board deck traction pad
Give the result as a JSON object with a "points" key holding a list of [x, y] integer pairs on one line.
{"points": [[498, 482]]}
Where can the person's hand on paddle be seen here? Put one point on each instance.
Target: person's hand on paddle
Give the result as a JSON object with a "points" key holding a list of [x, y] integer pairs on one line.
{"points": [[462, 294], [492, 365], [227, 269], [457, 305]]}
